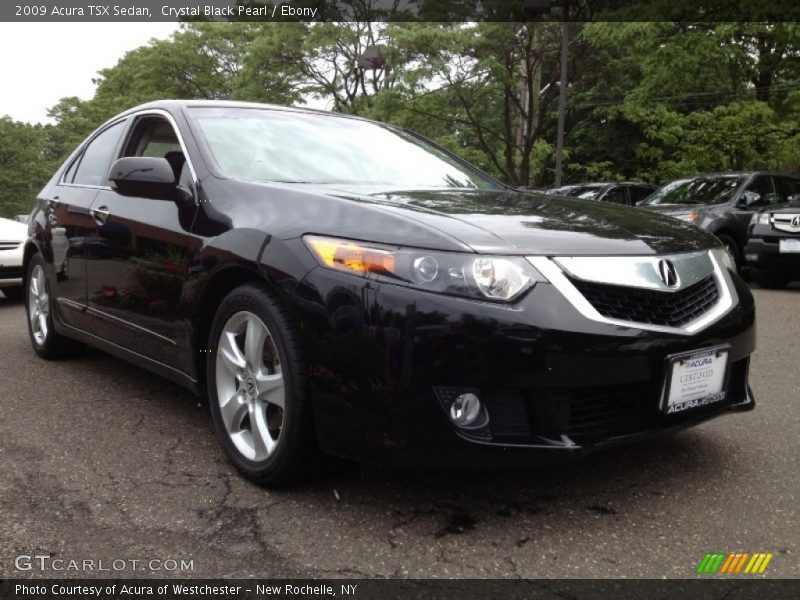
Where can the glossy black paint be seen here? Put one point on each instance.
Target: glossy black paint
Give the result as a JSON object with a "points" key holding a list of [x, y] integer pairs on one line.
{"points": [[141, 277]]}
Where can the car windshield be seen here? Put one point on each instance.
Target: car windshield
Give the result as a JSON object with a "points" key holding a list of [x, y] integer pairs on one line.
{"points": [[587, 192], [295, 147], [700, 190]]}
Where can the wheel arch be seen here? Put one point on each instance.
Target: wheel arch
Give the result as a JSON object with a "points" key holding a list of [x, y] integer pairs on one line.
{"points": [[30, 250], [208, 300]]}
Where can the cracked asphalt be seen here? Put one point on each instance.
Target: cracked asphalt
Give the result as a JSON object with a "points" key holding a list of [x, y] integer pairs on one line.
{"points": [[101, 460]]}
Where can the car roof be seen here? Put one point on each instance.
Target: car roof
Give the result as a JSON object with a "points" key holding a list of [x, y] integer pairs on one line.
{"points": [[178, 104]]}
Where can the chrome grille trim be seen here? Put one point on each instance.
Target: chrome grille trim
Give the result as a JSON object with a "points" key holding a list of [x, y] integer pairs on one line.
{"points": [[637, 271], [551, 269], [783, 222]]}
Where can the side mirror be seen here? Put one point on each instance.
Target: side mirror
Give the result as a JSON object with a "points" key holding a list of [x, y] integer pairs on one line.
{"points": [[748, 199], [144, 177]]}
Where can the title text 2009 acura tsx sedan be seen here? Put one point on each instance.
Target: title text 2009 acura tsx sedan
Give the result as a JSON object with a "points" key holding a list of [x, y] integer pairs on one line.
{"points": [[338, 284]]}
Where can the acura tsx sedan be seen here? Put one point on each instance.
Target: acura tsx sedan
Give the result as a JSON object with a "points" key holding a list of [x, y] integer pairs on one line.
{"points": [[335, 284]]}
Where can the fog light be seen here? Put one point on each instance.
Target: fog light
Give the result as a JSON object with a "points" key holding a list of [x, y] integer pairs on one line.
{"points": [[465, 410]]}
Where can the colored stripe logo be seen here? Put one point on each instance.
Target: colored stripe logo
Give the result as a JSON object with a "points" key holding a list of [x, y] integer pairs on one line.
{"points": [[734, 563]]}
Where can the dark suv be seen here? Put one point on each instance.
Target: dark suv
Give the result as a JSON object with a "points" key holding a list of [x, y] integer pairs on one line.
{"points": [[724, 204], [773, 250]]}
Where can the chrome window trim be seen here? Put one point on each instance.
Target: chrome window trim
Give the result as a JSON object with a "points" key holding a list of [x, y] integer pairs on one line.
{"points": [[163, 113], [134, 115], [728, 298]]}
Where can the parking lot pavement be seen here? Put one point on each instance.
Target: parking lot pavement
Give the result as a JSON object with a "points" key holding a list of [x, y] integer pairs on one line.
{"points": [[101, 460]]}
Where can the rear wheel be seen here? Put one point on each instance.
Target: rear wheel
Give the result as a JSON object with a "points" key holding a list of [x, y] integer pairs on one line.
{"points": [[770, 280], [257, 388], [47, 342], [14, 293]]}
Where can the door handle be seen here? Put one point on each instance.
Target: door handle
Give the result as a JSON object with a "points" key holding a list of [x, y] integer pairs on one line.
{"points": [[100, 214]]}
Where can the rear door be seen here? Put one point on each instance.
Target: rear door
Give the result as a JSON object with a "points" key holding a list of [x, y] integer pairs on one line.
{"points": [[71, 227], [137, 273]]}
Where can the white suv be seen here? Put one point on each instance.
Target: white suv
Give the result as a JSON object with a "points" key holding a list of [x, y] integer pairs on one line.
{"points": [[12, 242]]}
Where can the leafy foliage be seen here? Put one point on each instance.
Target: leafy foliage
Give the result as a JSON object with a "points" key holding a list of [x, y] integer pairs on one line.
{"points": [[648, 100]]}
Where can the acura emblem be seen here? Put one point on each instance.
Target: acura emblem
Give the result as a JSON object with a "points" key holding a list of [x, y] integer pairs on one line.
{"points": [[667, 273], [796, 221]]}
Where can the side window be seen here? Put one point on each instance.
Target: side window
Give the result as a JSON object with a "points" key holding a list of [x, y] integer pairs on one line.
{"points": [[95, 162], [762, 185], [639, 193], [785, 187], [155, 137], [617, 195]]}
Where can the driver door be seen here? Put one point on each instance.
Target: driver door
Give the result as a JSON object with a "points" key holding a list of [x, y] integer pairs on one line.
{"points": [[139, 266]]}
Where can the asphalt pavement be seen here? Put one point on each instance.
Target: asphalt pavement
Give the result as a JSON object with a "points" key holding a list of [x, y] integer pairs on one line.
{"points": [[101, 461]]}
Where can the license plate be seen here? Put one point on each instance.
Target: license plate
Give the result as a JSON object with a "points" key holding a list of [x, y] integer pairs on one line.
{"points": [[788, 246], [695, 379]]}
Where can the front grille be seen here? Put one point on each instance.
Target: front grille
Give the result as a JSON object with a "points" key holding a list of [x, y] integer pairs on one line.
{"points": [[783, 222], [671, 309], [607, 412], [9, 245]]}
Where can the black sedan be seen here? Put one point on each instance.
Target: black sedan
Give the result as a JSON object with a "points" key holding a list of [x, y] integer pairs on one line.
{"points": [[629, 193], [330, 283]]}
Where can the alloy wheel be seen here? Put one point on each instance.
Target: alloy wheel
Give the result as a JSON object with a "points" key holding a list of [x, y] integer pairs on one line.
{"points": [[38, 304], [250, 386]]}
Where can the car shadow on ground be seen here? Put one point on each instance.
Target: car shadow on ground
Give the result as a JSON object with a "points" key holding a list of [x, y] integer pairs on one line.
{"points": [[448, 502]]}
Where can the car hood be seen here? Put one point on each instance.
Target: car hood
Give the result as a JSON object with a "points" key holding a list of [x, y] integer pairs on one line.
{"points": [[515, 222], [482, 221], [12, 231]]}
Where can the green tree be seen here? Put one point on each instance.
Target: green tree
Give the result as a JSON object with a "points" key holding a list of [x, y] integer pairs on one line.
{"points": [[25, 165]]}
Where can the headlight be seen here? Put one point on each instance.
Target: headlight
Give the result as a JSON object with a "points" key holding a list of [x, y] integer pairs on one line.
{"points": [[691, 217], [470, 275], [760, 219]]}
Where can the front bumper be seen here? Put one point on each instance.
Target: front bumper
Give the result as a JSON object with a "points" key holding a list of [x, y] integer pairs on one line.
{"points": [[11, 266], [383, 359], [764, 254]]}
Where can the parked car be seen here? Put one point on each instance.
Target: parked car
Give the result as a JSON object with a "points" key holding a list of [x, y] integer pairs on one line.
{"points": [[628, 193], [655, 197], [773, 247], [723, 204], [12, 238], [333, 283]]}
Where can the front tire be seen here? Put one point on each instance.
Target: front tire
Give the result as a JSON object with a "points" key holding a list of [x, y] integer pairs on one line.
{"points": [[773, 281], [257, 388], [14, 293], [46, 341]]}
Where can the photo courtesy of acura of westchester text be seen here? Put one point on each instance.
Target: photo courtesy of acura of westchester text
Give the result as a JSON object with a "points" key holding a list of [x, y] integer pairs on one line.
{"points": [[417, 299]]}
